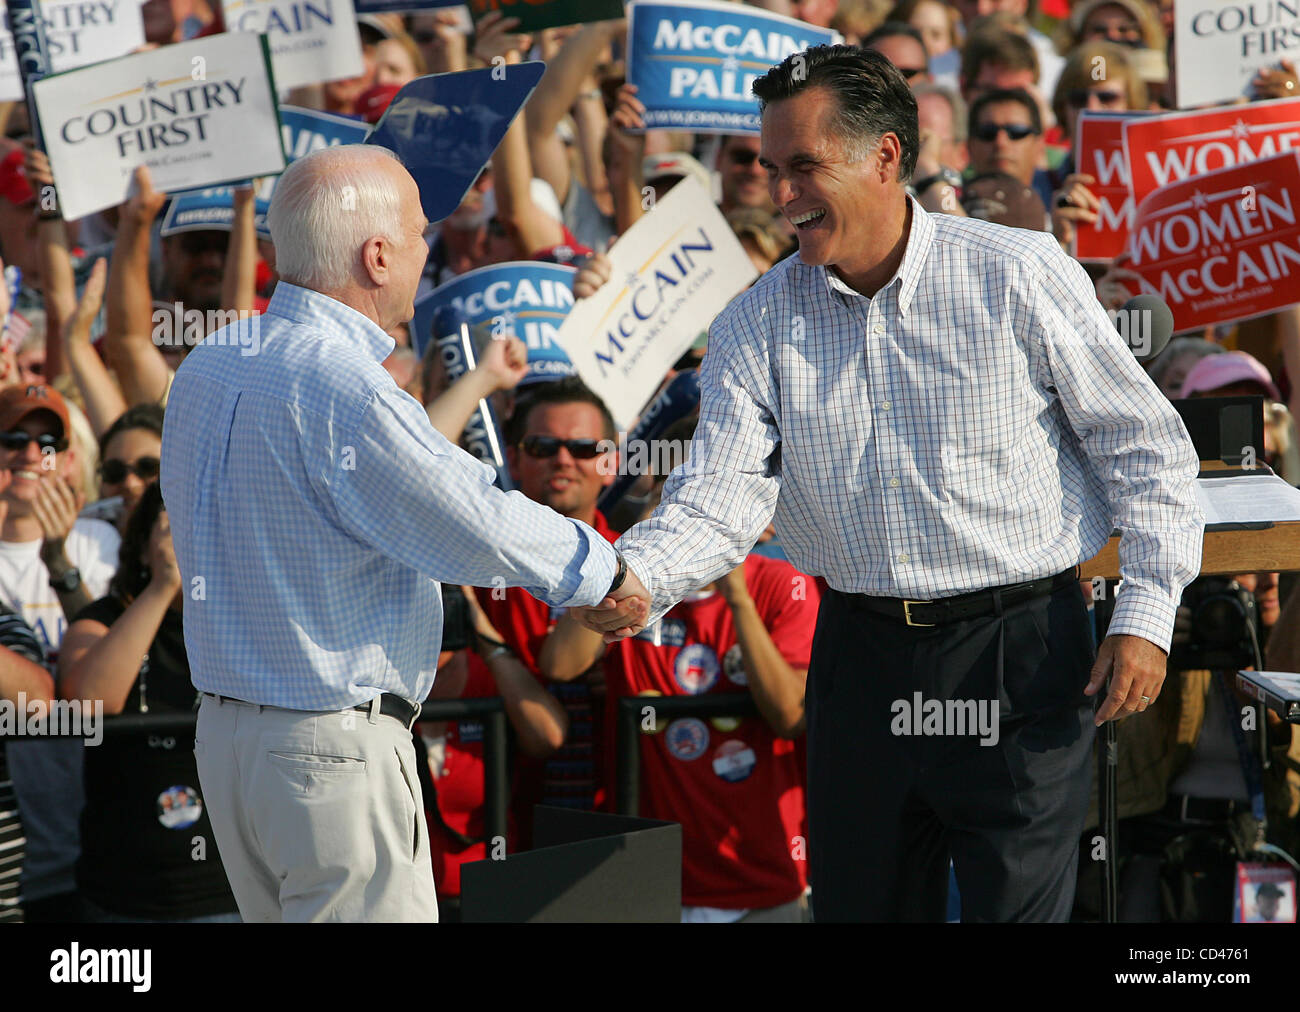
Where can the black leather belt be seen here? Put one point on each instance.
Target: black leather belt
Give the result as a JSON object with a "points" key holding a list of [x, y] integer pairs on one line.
{"points": [[390, 705], [977, 604]]}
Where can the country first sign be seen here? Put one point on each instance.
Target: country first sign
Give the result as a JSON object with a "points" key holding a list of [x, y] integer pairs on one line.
{"points": [[78, 32], [173, 109], [694, 64]]}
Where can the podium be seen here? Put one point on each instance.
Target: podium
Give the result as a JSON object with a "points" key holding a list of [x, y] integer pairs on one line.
{"points": [[584, 867], [1222, 429]]}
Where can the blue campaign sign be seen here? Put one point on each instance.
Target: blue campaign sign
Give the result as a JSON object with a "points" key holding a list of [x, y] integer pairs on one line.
{"points": [[445, 127], [694, 64], [303, 131], [402, 6], [529, 299]]}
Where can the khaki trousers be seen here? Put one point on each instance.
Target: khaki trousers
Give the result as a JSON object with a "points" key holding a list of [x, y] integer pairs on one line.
{"points": [[318, 816]]}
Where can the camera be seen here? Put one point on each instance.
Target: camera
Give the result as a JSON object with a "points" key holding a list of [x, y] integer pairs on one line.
{"points": [[1224, 628], [455, 618]]}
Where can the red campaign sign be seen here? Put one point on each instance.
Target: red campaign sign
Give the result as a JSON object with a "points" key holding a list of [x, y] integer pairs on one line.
{"points": [[1223, 246], [1171, 147], [1099, 142]]}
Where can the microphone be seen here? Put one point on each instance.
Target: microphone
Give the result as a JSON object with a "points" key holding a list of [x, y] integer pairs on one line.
{"points": [[1146, 324]]}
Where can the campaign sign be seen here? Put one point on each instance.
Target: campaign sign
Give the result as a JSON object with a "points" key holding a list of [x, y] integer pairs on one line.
{"points": [[311, 40], [694, 64], [534, 15], [445, 127], [673, 271], [76, 33], [1171, 147], [1099, 143], [403, 6], [1223, 44], [1223, 246], [174, 109], [528, 299], [302, 131]]}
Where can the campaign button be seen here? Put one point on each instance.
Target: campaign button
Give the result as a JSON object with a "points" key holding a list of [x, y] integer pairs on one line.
{"points": [[734, 760], [687, 738]]}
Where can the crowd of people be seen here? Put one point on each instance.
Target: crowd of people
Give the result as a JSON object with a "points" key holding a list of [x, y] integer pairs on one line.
{"points": [[91, 597]]}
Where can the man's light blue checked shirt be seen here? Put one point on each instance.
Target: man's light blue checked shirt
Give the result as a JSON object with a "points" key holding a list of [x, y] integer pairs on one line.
{"points": [[978, 422], [314, 508]]}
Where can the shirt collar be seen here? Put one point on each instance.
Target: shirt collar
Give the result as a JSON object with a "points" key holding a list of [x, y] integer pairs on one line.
{"points": [[303, 305], [908, 275]]}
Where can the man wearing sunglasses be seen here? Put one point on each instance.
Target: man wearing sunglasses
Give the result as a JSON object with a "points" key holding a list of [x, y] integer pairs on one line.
{"points": [[52, 564], [555, 456], [1005, 135], [941, 421]]}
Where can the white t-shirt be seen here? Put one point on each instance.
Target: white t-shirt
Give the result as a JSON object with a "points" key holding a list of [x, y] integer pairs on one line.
{"points": [[92, 547], [47, 775]]}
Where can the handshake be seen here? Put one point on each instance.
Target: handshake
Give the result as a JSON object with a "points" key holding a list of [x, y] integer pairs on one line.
{"points": [[622, 614]]}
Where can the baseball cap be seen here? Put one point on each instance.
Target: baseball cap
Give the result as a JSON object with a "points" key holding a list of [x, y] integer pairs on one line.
{"points": [[674, 165], [14, 186], [17, 402], [1214, 372], [1004, 200]]}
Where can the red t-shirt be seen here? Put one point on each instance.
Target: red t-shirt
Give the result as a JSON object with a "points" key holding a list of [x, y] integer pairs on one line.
{"points": [[573, 776], [736, 788], [460, 788]]}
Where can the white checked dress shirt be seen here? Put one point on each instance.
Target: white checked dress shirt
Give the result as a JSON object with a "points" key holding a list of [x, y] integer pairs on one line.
{"points": [[978, 422], [313, 506]]}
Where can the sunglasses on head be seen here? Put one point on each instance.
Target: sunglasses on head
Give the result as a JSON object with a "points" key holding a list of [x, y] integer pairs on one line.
{"points": [[548, 446], [1015, 131], [115, 471], [1078, 97], [19, 441]]}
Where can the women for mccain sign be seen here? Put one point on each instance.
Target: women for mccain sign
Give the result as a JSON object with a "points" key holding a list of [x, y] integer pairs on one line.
{"points": [[694, 64]]}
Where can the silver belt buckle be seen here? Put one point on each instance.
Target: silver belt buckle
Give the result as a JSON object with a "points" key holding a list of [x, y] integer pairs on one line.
{"points": [[907, 614]]}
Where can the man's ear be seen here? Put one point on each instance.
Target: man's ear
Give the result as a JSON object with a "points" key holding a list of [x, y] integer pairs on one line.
{"points": [[374, 259]]}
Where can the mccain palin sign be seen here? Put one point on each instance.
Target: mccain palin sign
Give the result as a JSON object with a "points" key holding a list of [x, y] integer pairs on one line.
{"points": [[694, 64]]}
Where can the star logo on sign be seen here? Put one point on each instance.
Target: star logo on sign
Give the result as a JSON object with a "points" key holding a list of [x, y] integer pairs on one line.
{"points": [[1198, 199], [505, 322], [1240, 130], [731, 63], [632, 279], [150, 84]]}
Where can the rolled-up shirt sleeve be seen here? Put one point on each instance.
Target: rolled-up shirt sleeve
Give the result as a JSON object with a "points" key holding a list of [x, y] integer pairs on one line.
{"points": [[404, 489], [714, 506], [1136, 442]]}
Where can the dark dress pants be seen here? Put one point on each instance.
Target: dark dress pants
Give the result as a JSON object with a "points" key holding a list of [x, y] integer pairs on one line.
{"points": [[887, 810]]}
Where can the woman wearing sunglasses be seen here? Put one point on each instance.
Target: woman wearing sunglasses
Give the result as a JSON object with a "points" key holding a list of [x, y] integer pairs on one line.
{"points": [[144, 822], [129, 452], [1120, 89]]}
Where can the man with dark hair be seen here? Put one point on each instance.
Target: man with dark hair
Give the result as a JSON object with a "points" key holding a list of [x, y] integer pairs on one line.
{"points": [[942, 422], [553, 448], [1005, 135], [997, 58], [902, 45]]}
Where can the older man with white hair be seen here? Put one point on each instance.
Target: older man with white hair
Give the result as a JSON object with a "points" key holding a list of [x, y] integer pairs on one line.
{"points": [[314, 510]]}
